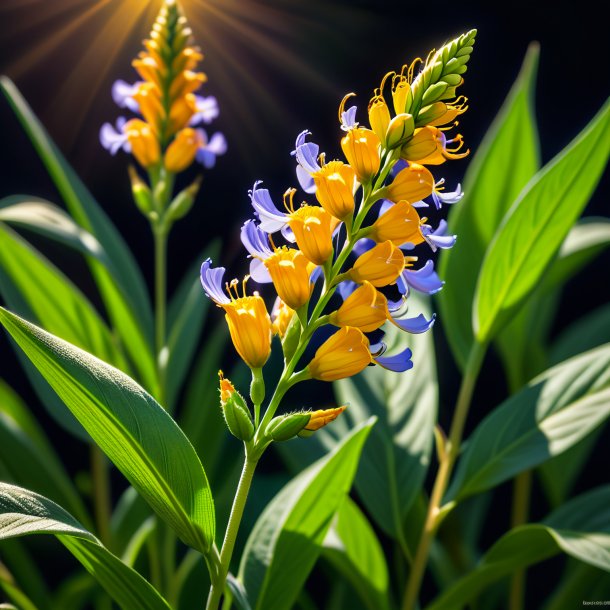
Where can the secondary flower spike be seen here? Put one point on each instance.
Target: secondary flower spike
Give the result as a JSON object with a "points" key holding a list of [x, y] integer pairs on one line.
{"points": [[357, 238], [166, 132]]}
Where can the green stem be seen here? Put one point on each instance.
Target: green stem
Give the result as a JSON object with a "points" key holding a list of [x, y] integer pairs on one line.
{"points": [[452, 449], [520, 512], [101, 494], [160, 235], [237, 511]]}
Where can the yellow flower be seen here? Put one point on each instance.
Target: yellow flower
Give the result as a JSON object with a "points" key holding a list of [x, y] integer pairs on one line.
{"points": [[313, 229], [181, 152], [413, 183], [379, 114], [366, 309], [181, 112], [250, 329], [186, 82], [428, 146], [335, 188], [149, 101], [380, 266], [361, 149], [400, 224], [441, 113], [344, 354], [289, 270], [281, 317], [144, 144]]}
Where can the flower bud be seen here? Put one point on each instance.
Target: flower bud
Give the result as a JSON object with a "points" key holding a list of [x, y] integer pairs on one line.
{"points": [[289, 270], [235, 411], [144, 143], [401, 128], [285, 427], [379, 117], [257, 387], [335, 188], [361, 149], [183, 202], [319, 419], [313, 229], [141, 193], [380, 266]]}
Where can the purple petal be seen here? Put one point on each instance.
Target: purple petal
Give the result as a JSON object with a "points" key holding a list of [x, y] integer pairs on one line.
{"points": [[122, 94], [363, 245], [415, 325], [399, 363], [255, 240], [271, 219], [212, 282], [209, 150], [307, 153], [305, 180], [385, 206], [288, 234], [436, 238], [258, 271], [113, 139], [348, 118], [449, 197], [346, 288], [207, 110], [423, 280]]}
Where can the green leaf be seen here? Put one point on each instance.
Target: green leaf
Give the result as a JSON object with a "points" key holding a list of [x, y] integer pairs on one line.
{"points": [[27, 455], [580, 528], [57, 304], [546, 418], [186, 316], [287, 538], [522, 343], [535, 227], [23, 513], [140, 437], [504, 162], [396, 458], [123, 289], [353, 548]]}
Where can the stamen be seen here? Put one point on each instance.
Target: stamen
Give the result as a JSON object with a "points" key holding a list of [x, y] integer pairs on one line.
{"points": [[272, 243], [243, 285], [409, 260], [289, 195], [342, 105]]}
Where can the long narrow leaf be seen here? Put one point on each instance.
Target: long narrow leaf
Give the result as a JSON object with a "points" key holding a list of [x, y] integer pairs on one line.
{"points": [[23, 513], [137, 434]]}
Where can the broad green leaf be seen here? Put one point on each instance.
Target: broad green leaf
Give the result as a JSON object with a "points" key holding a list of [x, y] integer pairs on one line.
{"points": [[550, 415], [537, 224], [23, 513], [504, 162], [57, 304], [522, 343], [122, 288], [352, 546], [287, 538], [396, 458], [136, 433], [186, 316], [580, 528], [27, 455]]}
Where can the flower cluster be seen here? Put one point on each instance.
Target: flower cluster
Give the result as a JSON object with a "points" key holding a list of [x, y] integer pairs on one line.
{"points": [[348, 260], [166, 133]]}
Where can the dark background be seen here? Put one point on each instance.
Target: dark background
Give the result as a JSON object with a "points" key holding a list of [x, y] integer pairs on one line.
{"points": [[276, 68]]}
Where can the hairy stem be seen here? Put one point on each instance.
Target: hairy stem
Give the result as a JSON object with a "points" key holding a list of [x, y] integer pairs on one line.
{"points": [[443, 476]]}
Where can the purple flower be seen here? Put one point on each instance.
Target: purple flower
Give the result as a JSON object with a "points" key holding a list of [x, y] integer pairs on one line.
{"points": [[114, 139], [306, 154], [423, 280], [399, 363], [436, 238], [210, 149], [271, 219], [212, 282], [122, 94], [439, 197], [207, 110], [348, 118]]}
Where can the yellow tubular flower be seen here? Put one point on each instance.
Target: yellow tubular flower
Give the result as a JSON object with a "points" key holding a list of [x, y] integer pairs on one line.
{"points": [[148, 69], [181, 152], [319, 419], [281, 317], [289, 270], [400, 224], [361, 149], [250, 329], [344, 354], [181, 112], [420, 146], [413, 183], [149, 101], [335, 188], [313, 229], [379, 114], [365, 308], [429, 147], [144, 144], [186, 82], [380, 266]]}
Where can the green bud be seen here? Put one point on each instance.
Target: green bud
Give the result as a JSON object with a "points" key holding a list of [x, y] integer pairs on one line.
{"points": [[162, 193], [452, 79], [434, 93], [285, 427], [235, 411], [257, 387], [140, 191], [401, 128], [291, 338], [430, 113], [183, 202]]}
